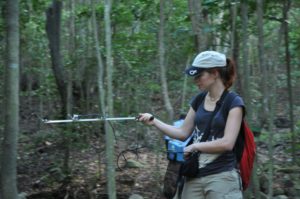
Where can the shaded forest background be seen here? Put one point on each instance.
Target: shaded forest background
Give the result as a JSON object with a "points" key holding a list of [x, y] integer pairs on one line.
{"points": [[129, 58]]}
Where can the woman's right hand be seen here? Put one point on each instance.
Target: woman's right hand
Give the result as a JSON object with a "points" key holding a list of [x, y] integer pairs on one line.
{"points": [[146, 118]]}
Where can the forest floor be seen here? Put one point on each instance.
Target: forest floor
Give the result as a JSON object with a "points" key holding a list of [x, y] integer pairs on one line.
{"points": [[42, 151], [44, 180], [41, 154]]}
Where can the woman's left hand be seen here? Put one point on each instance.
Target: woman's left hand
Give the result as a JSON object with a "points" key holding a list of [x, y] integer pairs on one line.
{"points": [[189, 150]]}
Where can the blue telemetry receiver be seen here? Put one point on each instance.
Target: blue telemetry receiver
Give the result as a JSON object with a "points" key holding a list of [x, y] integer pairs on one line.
{"points": [[175, 148]]}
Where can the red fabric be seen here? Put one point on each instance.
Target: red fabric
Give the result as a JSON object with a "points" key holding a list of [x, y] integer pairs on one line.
{"points": [[247, 161]]}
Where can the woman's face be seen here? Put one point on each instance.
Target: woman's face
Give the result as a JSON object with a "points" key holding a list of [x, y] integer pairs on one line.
{"points": [[204, 80]]}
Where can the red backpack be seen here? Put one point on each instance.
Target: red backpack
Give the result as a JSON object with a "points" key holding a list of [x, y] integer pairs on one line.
{"points": [[248, 155], [245, 148]]}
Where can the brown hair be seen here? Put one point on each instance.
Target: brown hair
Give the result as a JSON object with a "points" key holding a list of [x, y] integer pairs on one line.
{"points": [[227, 74]]}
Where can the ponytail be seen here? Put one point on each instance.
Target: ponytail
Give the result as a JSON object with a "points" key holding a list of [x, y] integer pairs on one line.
{"points": [[228, 73]]}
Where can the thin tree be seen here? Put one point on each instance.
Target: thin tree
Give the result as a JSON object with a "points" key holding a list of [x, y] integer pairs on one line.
{"points": [[233, 30], [162, 54], [11, 103], [53, 27], [184, 86], [101, 90], [71, 51], [286, 7], [197, 21], [246, 90], [272, 78], [109, 137], [265, 90], [245, 51], [234, 38], [261, 62], [109, 59]]}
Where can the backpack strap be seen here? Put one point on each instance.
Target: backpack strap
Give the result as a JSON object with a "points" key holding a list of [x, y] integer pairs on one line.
{"points": [[218, 106], [200, 98]]}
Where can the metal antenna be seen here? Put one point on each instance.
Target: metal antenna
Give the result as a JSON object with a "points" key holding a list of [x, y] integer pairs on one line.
{"points": [[76, 118]]}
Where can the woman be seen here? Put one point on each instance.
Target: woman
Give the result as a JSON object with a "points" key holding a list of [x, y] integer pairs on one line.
{"points": [[218, 175]]}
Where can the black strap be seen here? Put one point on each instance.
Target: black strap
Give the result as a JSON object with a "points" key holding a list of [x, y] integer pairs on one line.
{"points": [[217, 108]]}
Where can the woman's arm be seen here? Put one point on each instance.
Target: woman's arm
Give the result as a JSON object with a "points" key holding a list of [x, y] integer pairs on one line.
{"points": [[180, 133], [227, 142]]}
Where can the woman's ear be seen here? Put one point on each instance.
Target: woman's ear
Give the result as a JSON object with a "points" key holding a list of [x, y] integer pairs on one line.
{"points": [[215, 73]]}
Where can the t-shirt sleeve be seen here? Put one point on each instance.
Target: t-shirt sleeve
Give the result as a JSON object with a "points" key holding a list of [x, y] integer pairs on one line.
{"points": [[196, 101], [238, 102]]}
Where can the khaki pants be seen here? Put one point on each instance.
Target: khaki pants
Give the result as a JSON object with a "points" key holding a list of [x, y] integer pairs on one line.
{"points": [[222, 185]]}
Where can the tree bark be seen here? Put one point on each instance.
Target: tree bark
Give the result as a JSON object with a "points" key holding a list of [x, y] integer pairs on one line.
{"points": [[244, 77], [261, 62], [109, 58], [233, 29], [235, 40], [109, 137], [72, 56], [184, 88], [101, 91], [161, 40], [53, 22], [255, 180], [246, 90], [11, 103], [100, 64], [53, 32], [197, 20], [286, 7], [265, 91], [273, 100]]}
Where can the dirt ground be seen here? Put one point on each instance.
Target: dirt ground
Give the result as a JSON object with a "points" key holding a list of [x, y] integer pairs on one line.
{"points": [[41, 154]]}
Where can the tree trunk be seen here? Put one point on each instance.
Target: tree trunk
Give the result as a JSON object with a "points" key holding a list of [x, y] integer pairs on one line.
{"points": [[109, 137], [72, 56], [109, 59], [265, 92], [246, 90], [197, 20], [235, 40], [11, 104], [255, 180], [53, 32], [261, 62], [101, 91], [161, 39], [286, 8], [2, 14], [183, 102], [233, 29], [244, 77], [272, 103]]}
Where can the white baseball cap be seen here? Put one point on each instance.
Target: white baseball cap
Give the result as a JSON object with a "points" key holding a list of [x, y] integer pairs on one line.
{"points": [[205, 60]]}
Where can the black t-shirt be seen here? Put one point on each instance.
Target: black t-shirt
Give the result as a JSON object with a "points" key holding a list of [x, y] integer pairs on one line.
{"points": [[216, 162]]}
